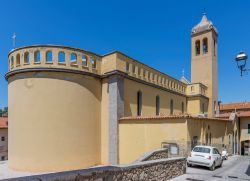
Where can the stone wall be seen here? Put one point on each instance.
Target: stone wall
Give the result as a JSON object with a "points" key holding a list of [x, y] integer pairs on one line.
{"points": [[163, 169], [154, 155]]}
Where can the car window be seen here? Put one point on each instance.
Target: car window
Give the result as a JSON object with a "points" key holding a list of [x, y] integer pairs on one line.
{"points": [[201, 150], [215, 151]]}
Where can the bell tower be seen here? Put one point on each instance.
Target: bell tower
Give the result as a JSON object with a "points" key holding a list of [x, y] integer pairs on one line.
{"points": [[204, 65]]}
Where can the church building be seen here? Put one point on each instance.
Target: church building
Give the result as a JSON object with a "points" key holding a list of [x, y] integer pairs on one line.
{"points": [[71, 109]]}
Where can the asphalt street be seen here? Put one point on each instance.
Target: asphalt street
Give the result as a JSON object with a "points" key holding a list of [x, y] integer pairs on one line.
{"points": [[236, 168]]}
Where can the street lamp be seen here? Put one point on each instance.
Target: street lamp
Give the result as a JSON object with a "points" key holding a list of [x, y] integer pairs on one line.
{"points": [[241, 60]]}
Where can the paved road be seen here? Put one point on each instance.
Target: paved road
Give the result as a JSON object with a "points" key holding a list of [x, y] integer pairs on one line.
{"points": [[234, 169]]}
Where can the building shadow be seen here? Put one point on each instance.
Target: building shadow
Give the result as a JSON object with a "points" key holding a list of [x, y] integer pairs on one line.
{"points": [[248, 170]]}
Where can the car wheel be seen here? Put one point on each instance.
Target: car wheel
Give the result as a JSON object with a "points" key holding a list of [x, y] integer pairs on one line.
{"points": [[189, 165], [221, 163], [212, 168]]}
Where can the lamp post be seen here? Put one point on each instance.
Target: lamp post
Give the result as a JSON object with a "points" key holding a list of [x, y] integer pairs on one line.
{"points": [[241, 60]]}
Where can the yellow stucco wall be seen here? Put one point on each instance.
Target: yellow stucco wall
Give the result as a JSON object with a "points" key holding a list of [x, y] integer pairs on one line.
{"points": [[219, 129], [137, 137], [54, 121], [244, 135], [194, 105], [149, 94]]}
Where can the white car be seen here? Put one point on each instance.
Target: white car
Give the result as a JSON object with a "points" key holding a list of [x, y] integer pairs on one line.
{"points": [[205, 156]]}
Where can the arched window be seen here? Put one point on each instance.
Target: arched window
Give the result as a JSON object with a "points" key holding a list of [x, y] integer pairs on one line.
{"points": [[37, 56], [197, 47], [157, 105], [204, 46], [93, 63], [61, 57], [12, 61], [206, 138], [26, 57], [192, 88], [229, 139], [127, 67], [49, 56], [73, 58], [84, 61], [171, 107], [182, 107], [18, 59], [203, 108], [139, 103], [210, 139]]}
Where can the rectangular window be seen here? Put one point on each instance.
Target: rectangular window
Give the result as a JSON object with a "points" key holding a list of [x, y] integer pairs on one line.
{"points": [[248, 128], [2, 138], [2, 158]]}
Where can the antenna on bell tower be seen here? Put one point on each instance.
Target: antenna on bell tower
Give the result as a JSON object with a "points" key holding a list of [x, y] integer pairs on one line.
{"points": [[14, 40]]}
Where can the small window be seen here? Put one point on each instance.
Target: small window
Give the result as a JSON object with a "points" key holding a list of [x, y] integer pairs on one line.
{"points": [[93, 63], [84, 61], [182, 107], [139, 103], [197, 47], [171, 107], [206, 138], [2, 158], [37, 56], [2, 138], [73, 58], [210, 139], [203, 108], [194, 142], [192, 88], [133, 69], [144, 73], [61, 57], [229, 137], [18, 59], [248, 129], [204, 46], [26, 57], [49, 56], [157, 105], [127, 67]]}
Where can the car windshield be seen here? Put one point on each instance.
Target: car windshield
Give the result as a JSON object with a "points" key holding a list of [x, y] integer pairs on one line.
{"points": [[201, 149]]}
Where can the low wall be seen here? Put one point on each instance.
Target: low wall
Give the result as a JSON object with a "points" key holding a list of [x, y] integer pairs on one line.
{"points": [[162, 169], [154, 155]]}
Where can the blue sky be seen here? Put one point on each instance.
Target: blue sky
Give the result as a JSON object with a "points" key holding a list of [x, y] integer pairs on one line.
{"points": [[154, 32]]}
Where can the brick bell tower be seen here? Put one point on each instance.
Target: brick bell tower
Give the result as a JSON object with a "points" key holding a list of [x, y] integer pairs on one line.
{"points": [[204, 65]]}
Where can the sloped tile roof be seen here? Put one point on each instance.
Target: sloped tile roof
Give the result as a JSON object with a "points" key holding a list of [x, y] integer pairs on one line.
{"points": [[3, 122], [233, 106]]}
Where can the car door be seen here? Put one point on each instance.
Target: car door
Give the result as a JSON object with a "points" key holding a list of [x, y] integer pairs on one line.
{"points": [[219, 160], [215, 156]]}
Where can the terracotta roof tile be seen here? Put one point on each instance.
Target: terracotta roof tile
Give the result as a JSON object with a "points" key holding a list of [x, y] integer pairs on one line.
{"points": [[181, 116], [239, 114], [232, 106], [3, 122]]}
